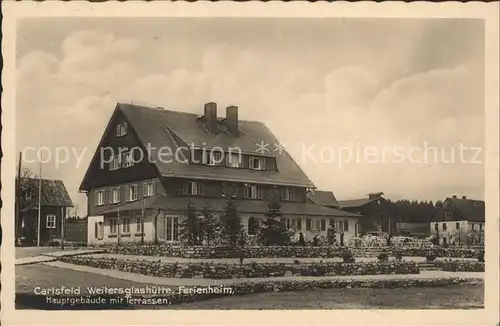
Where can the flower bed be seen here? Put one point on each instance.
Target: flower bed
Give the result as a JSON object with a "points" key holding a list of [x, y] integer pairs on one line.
{"points": [[167, 250], [460, 265], [252, 270]]}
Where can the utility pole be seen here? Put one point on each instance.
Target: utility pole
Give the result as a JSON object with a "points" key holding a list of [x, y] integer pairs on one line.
{"points": [[39, 195], [63, 213], [39, 205], [118, 225], [142, 224], [18, 197]]}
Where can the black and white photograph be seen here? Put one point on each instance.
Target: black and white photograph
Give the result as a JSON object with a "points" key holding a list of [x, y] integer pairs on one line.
{"points": [[246, 159]]}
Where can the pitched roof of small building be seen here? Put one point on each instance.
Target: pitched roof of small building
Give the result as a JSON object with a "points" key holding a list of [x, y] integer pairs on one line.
{"points": [[324, 198], [53, 192], [352, 203], [244, 206], [158, 127], [471, 209]]}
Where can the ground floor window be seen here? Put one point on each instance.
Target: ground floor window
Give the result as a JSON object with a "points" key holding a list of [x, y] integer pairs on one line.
{"points": [[112, 226], [126, 225], [50, 223], [138, 226], [172, 228], [98, 230]]}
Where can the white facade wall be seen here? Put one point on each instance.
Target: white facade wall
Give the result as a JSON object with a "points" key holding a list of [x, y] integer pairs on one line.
{"points": [[457, 232]]}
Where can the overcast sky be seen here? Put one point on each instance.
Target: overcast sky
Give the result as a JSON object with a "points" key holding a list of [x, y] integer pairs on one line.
{"points": [[322, 84]]}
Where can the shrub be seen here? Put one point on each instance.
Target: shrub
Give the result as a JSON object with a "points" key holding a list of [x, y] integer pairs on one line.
{"points": [[430, 255], [480, 256], [383, 256], [398, 255], [347, 257]]}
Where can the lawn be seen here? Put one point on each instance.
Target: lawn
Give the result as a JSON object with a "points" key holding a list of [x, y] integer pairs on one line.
{"points": [[449, 297], [30, 276], [23, 252]]}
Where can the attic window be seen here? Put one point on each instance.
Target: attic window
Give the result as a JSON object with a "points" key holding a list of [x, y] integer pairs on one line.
{"points": [[257, 163], [28, 194], [121, 129]]}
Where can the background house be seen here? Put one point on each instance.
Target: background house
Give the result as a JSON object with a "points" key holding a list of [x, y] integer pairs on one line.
{"points": [[376, 211], [459, 221], [144, 198], [54, 202]]}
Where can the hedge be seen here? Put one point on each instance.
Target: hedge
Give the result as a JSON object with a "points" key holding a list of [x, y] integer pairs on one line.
{"points": [[168, 250], [250, 270]]}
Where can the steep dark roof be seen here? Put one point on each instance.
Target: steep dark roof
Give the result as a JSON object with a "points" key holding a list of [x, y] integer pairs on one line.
{"points": [[243, 206], [471, 209], [159, 127], [54, 192], [324, 198]]}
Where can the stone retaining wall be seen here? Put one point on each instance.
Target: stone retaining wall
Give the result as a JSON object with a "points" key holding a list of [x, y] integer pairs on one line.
{"points": [[167, 250], [251, 270]]}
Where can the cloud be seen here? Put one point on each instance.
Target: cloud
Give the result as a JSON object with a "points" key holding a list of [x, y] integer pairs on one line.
{"points": [[73, 93]]}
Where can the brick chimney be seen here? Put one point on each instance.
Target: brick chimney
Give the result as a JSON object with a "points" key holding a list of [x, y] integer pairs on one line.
{"points": [[464, 197], [454, 196], [210, 116], [232, 120]]}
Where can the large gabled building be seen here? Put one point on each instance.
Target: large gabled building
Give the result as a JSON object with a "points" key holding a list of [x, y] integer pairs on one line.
{"points": [[151, 162]]}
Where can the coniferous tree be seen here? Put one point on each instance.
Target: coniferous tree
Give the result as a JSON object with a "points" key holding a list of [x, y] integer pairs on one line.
{"points": [[231, 226], [210, 225], [190, 227], [274, 231]]}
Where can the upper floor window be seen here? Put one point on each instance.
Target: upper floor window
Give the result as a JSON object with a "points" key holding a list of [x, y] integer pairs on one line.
{"points": [[121, 129], [149, 189], [215, 158], [436, 226], [192, 188], [115, 195], [444, 227], [99, 197], [127, 159], [473, 226], [286, 194], [50, 223], [257, 163], [132, 193], [233, 160], [228, 190], [253, 191], [115, 163], [457, 225]]}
